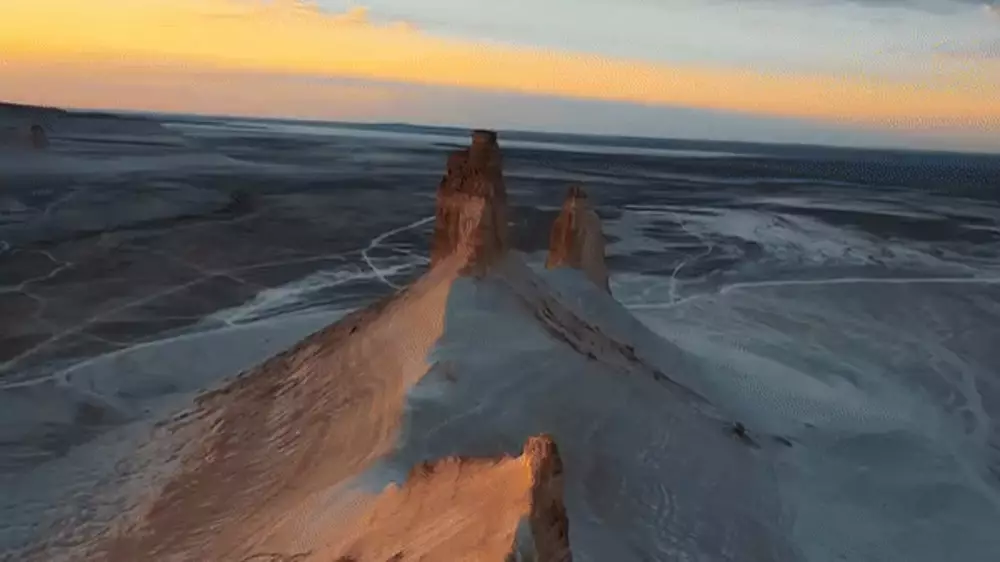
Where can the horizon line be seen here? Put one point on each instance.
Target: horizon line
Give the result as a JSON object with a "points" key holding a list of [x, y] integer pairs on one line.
{"points": [[977, 153]]}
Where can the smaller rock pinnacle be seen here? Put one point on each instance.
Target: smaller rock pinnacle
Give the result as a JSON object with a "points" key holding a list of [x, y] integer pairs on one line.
{"points": [[577, 241]]}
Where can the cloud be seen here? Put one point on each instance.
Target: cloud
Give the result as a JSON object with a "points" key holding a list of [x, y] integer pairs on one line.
{"points": [[279, 10], [212, 92], [934, 5], [930, 6], [299, 38], [310, 97], [992, 7], [989, 51]]}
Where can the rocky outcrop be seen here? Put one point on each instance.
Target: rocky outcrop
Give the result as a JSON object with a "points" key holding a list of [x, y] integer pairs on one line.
{"points": [[39, 139], [27, 126], [577, 240], [277, 463], [326, 410], [471, 214], [548, 520], [507, 508], [256, 451], [23, 138]]}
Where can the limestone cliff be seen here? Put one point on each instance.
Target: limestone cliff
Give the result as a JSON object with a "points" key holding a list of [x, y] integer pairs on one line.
{"points": [[457, 508], [471, 215], [548, 520], [259, 451], [256, 452], [289, 460], [577, 240]]}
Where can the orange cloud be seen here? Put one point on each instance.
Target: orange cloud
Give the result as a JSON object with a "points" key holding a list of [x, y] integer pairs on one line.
{"points": [[143, 88], [290, 36]]}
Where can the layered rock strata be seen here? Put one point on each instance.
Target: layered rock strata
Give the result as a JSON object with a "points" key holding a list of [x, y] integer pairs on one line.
{"points": [[471, 214], [577, 240], [457, 508]]}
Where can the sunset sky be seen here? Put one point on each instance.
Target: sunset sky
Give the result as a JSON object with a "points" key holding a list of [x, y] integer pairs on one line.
{"points": [[918, 73]]}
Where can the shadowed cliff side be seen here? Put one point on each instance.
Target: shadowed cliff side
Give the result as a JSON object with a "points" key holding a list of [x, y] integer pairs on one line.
{"points": [[457, 508], [577, 240], [471, 215]]}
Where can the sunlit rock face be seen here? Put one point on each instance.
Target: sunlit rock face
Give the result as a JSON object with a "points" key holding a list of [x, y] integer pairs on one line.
{"points": [[324, 412], [461, 508], [471, 214], [577, 240]]}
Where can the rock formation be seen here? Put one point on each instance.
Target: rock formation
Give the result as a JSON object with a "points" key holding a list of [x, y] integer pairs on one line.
{"points": [[262, 446], [277, 463], [471, 216], [27, 126], [548, 520], [508, 508], [577, 241], [39, 139], [23, 137]]}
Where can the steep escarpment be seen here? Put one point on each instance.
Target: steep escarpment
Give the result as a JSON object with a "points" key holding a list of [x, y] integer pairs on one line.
{"points": [[471, 214], [263, 446], [548, 519], [460, 508], [305, 457], [28, 126], [577, 240]]}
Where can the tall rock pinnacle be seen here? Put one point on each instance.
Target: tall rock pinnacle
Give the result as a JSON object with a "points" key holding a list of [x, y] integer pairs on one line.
{"points": [[471, 216], [577, 241]]}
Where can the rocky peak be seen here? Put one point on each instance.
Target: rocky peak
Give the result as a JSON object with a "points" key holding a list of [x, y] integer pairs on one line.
{"points": [[471, 215], [548, 521], [577, 240], [468, 508]]}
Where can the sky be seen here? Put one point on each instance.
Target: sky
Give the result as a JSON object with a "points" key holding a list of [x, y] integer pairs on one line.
{"points": [[908, 73]]}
